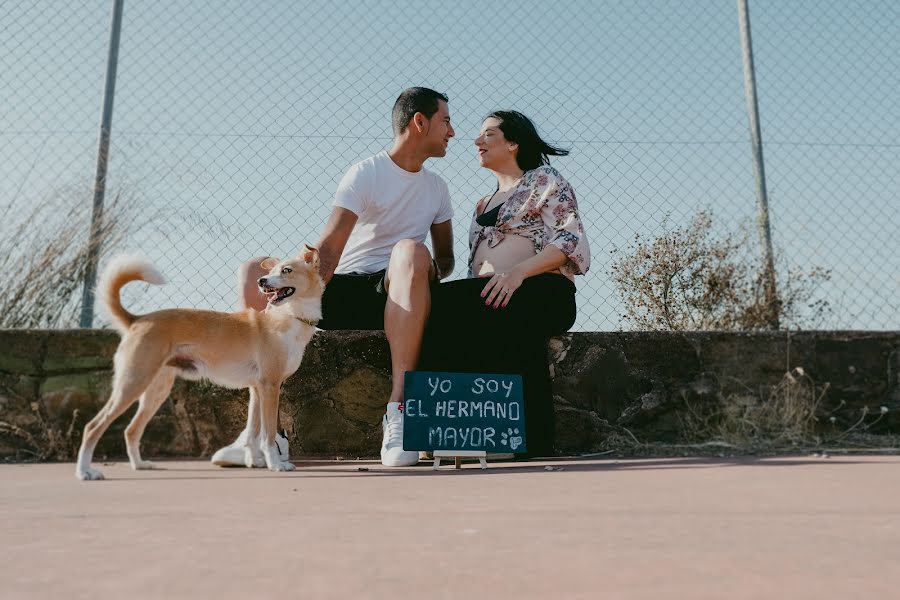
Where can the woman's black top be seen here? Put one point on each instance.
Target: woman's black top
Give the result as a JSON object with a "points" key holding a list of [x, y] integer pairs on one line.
{"points": [[489, 218]]}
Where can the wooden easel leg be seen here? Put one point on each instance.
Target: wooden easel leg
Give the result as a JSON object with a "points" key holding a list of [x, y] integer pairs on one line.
{"points": [[457, 456]]}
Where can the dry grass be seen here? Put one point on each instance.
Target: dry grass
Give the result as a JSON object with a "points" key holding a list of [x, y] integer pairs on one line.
{"points": [[43, 440], [786, 416], [783, 415], [53, 444], [44, 255]]}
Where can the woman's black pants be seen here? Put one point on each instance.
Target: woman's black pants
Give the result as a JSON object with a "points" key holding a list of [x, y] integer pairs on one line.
{"points": [[464, 335]]}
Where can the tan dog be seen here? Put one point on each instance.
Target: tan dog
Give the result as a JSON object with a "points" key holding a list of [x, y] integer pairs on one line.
{"points": [[247, 349]]}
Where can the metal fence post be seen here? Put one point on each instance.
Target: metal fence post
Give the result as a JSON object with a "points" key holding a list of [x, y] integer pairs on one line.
{"points": [[759, 171], [90, 272]]}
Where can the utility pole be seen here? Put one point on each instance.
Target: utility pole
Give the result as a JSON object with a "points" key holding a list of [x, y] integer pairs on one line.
{"points": [[90, 272], [773, 307]]}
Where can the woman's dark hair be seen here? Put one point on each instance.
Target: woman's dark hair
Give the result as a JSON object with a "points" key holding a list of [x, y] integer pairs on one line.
{"points": [[411, 101], [533, 151]]}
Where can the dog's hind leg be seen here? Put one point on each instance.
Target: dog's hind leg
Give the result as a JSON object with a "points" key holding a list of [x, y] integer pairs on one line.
{"points": [[127, 388], [268, 401], [152, 398]]}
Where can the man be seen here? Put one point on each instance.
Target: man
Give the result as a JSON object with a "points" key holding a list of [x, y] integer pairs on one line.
{"points": [[377, 269]]}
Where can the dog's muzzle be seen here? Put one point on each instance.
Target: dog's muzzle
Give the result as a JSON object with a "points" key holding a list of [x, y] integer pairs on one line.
{"points": [[274, 294]]}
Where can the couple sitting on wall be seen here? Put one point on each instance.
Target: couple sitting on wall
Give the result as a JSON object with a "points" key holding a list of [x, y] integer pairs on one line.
{"points": [[526, 244]]}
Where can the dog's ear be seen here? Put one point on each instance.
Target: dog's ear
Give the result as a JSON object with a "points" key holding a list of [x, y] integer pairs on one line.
{"points": [[310, 255], [269, 263]]}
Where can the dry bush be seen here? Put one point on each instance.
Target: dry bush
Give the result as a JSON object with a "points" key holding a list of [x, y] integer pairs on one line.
{"points": [[44, 255], [692, 278]]}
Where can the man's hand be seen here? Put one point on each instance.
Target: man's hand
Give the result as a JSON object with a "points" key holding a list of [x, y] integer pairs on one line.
{"points": [[442, 243]]}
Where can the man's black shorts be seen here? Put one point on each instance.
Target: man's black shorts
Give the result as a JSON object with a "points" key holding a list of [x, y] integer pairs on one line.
{"points": [[354, 301]]}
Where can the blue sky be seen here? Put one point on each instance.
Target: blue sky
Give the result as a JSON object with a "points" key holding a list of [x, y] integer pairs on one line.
{"points": [[234, 120]]}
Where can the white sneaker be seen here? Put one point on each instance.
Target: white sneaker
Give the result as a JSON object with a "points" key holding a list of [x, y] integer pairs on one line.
{"points": [[282, 444], [392, 452], [232, 455]]}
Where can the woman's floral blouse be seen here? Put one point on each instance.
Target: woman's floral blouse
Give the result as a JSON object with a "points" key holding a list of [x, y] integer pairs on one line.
{"points": [[543, 209]]}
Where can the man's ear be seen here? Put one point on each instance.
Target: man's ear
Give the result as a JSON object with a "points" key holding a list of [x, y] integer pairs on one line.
{"points": [[420, 122], [310, 255], [269, 263]]}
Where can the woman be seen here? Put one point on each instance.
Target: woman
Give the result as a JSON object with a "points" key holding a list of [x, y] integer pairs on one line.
{"points": [[526, 244]]}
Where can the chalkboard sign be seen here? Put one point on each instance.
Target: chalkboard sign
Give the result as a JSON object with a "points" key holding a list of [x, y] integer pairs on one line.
{"points": [[463, 411]]}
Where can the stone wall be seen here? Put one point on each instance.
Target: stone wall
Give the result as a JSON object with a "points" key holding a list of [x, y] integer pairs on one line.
{"points": [[610, 389]]}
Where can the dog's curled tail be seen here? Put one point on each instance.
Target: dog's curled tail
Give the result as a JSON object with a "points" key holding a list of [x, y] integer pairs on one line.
{"points": [[120, 270]]}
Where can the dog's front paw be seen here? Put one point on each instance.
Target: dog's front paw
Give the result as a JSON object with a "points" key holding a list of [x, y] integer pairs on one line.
{"points": [[88, 474], [253, 459], [282, 466], [144, 465]]}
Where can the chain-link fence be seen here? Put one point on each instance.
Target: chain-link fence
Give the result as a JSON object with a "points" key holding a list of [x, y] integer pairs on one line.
{"points": [[235, 120]]}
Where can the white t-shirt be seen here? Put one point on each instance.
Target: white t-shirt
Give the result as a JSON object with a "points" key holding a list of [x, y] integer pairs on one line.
{"points": [[392, 204]]}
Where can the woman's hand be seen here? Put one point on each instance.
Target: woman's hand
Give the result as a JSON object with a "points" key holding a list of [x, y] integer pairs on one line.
{"points": [[502, 286]]}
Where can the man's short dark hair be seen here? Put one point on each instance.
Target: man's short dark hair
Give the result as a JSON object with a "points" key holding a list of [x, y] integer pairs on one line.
{"points": [[411, 101]]}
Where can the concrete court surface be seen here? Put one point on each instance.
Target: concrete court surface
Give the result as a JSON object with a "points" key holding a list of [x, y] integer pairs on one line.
{"points": [[692, 528]]}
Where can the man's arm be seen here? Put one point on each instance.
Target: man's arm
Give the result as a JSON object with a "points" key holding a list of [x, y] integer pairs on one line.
{"points": [[334, 238], [442, 242]]}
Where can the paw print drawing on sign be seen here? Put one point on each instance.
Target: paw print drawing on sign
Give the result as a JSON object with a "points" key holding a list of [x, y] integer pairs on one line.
{"points": [[511, 436]]}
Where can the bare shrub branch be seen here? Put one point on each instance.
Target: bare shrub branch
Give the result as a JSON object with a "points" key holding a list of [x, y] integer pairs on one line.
{"points": [[693, 278]]}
